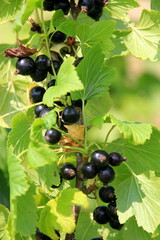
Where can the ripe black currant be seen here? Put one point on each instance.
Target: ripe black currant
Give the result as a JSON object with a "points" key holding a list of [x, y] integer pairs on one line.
{"points": [[45, 111], [42, 62], [89, 171], [38, 109], [53, 136], [106, 194], [87, 5], [64, 5], [57, 37], [106, 175], [115, 224], [48, 5], [38, 75], [96, 13], [51, 83], [41, 236], [100, 215], [36, 94], [25, 66], [115, 159], [68, 171], [70, 115], [112, 210], [56, 65], [100, 3], [100, 159]]}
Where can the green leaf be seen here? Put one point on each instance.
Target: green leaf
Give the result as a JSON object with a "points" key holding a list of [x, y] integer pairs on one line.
{"points": [[25, 12], [95, 110], [67, 81], [3, 152], [94, 75], [138, 195], [39, 156], [135, 132], [96, 33], [155, 5], [143, 41], [119, 8], [19, 135], [10, 9], [90, 228], [140, 158], [4, 189], [4, 213], [17, 176], [118, 41], [58, 212], [58, 18], [24, 213]]}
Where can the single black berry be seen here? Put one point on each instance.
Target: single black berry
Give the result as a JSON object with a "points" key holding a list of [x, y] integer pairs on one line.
{"points": [[106, 194], [56, 65], [100, 3], [64, 5], [48, 5], [100, 215], [70, 115], [57, 37], [98, 238], [68, 171], [87, 5], [41, 236], [115, 159], [25, 66], [36, 94], [115, 224], [53, 136], [106, 175], [38, 109], [42, 62], [38, 75], [51, 83], [89, 171], [100, 159], [96, 13], [112, 210], [45, 111]]}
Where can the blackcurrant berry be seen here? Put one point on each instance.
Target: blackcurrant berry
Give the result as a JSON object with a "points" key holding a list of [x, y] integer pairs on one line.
{"points": [[57, 37], [115, 159], [115, 224], [41, 236], [96, 13], [45, 111], [36, 94], [56, 65], [100, 3], [68, 171], [87, 5], [100, 159], [25, 66], [70, 115], [106, 194], [48, 5], [97, 238], [77, 103], [38, 75], [53, 136], [100, 215], [106, 175], [89, 171], [42, 62], [51, 83], [38, 109], [112, 210], [64, 5]]}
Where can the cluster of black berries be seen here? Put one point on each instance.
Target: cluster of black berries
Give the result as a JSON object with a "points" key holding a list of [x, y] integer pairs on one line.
{"points": [[99, 164], [50, 5], [93, 8]]}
